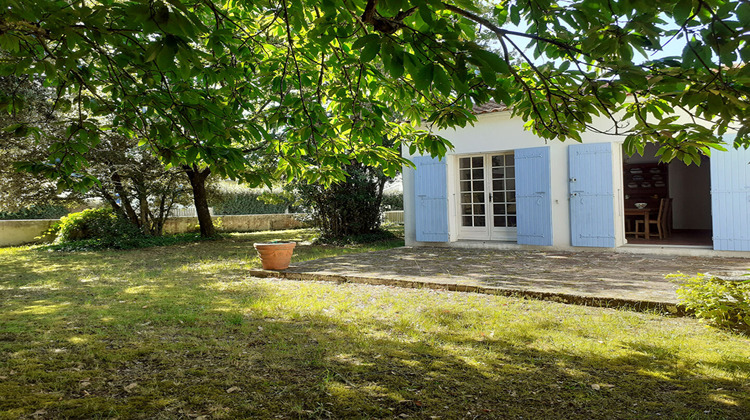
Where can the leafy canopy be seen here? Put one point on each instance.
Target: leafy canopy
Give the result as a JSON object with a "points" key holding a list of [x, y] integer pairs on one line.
{"points": [[255, 89]]}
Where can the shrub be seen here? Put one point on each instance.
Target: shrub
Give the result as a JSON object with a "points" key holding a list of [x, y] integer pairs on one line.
{"points": [[143, 241], [247, 202], [393, 202], [47, 211], [101, 227], [349, 207], [725, 303]]}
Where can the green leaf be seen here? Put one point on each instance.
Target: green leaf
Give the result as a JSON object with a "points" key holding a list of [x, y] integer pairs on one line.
{"points": [[364, 40], [442, 82], [426, 14], [191, 155], [22, 130], [423, 78], [488, 75], [370, 51], [165, 59], [9, 42], [682, 10], [501, 96], [493, 60], [152, 52], [515, 14], [743, 15], [396, 68]]}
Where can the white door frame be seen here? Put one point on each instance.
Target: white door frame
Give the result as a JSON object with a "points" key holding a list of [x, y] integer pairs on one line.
{"points": [[487, 232]]}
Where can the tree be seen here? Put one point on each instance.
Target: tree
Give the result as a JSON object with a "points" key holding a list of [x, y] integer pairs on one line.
{"points": [[216, 86], [130, 179], [348, 207], [135, 184], [21, 190], [142, 62]]}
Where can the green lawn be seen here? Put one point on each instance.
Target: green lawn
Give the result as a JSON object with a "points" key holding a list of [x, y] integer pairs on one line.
{"points": [[183, 332]]}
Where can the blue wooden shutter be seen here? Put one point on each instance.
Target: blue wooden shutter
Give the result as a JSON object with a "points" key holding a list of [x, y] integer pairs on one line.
{"points": [[730, 199], [592, 215], [431, 191], [533, 199]]}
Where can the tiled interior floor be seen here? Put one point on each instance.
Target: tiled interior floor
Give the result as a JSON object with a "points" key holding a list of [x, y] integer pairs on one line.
{"points": [[678, 237]]}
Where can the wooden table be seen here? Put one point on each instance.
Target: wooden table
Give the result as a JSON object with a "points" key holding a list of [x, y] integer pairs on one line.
{"points": [[646, 214]]}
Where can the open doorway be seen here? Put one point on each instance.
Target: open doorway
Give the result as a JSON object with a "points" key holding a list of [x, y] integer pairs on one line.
{"points": [[676, 201]]}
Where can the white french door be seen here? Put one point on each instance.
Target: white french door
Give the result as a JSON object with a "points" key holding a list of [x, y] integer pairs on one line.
{"points": [[487, 197]]}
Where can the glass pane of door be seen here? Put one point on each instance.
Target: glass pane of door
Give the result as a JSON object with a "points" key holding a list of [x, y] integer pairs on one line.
{"points": [[503, 178], [471, 179]]}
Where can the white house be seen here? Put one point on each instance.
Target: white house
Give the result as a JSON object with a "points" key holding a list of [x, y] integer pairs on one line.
{"points": [[504, 187]]}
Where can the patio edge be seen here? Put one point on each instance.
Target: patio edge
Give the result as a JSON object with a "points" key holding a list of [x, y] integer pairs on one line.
{"points": [[566, 298]]}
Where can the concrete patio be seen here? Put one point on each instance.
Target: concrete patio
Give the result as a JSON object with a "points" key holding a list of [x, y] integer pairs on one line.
{"points": [[590, 278]]}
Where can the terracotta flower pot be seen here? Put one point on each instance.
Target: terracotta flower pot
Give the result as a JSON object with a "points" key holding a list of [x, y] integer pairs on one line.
{"points": [[275, 256]]}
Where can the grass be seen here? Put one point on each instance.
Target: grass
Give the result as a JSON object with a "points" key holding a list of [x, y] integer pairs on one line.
{"points": [[182, 332]]}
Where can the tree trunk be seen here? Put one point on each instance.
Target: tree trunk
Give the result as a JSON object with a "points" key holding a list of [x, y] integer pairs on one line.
{"points": [[112, 202], [124, 198], [140, 189], [198, 182], [164, 209]]}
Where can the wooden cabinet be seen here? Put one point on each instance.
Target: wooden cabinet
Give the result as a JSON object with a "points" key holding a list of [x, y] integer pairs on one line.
{"points": [[645, 183]]}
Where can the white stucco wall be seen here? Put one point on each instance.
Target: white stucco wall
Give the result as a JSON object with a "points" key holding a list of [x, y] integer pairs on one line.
{"points": [[497, 132], [18, 232]]}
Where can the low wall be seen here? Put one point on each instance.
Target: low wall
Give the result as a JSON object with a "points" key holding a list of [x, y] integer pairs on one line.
{"points": [[18, 232]]}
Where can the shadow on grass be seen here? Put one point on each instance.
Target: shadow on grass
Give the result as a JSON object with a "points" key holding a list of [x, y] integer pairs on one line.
{"points": [[216, 353], [182, 332]]}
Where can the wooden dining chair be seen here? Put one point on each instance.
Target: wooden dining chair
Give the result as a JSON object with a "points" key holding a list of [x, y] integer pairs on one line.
{"points": [[628, 223], [661, 220], [630, 226]]}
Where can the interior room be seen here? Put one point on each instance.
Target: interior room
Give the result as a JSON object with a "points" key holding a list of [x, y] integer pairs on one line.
{"points": [[666, 204]]}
